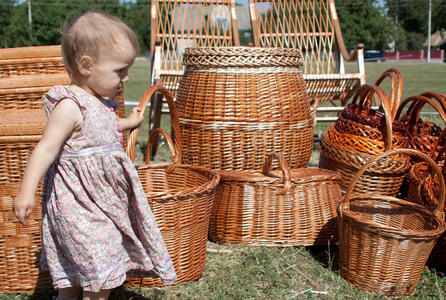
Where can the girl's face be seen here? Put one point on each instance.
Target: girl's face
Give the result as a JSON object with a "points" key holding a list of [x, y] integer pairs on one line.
{"points": [[110, 71]]}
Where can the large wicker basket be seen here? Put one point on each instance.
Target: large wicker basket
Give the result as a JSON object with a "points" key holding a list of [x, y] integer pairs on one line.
{"points": [[384, 241], [289, 208], [181, 198], [238, 104], [347, 153]]}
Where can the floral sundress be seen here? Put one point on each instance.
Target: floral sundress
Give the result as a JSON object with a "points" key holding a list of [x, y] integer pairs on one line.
{"points": [[97, 226]]}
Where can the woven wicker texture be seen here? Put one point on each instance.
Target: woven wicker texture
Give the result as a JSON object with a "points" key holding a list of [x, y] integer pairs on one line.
{"points": [[20, 246], [421, 134], [23, 91], [237, 104], [425, 189], [361, 128], [347, 153], [279, 208], [385, 241], [31, 61], [181, 198], [311, 25]]}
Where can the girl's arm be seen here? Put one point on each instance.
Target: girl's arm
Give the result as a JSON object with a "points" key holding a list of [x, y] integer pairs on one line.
{"points": [[133, 120], [65, 119]]}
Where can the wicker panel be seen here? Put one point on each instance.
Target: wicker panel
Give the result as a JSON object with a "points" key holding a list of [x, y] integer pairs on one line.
{"points": [[311, 26], [237, 104], [31, 61], [266, 209], [385, 241]]}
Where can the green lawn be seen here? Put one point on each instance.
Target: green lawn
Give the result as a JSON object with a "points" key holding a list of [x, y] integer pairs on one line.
{"points": [[236, 272]]}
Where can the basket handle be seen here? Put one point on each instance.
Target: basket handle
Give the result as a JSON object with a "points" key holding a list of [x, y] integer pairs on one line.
{"points": [[416, 104], [369, 91], [173, 118], [396, 90], [175, 159], [438, 211], [440, 144], [286, 173]]}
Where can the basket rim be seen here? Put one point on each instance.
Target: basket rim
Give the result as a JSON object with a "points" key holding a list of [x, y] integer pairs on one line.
{"points": [[300, 175], [204, 188], [345, 213]]}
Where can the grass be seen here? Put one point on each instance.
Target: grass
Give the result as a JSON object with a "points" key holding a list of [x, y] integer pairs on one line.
{"points": [[240, 272]]}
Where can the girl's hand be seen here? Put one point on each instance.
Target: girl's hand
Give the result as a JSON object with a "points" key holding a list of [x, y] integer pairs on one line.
{"points": [[22, 207], [133, 120]]}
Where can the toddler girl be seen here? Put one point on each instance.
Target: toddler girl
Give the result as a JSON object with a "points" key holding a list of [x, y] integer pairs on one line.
{"points": [[96, 222]]}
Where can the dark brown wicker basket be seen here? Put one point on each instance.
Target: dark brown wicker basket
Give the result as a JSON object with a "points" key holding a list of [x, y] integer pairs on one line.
{"points": [[238, 104], [384, 241], [181, 198]]}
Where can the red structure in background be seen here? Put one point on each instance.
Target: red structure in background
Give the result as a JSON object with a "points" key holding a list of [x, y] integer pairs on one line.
{"points": [[414, 55]]}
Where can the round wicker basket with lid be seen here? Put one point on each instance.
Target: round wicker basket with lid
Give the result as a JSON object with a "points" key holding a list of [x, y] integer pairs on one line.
{"points": [[237, 104]]}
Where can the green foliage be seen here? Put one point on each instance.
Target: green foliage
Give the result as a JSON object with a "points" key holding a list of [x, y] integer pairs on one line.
{"points": [[49, 17], [411, 19], [362, 22]]}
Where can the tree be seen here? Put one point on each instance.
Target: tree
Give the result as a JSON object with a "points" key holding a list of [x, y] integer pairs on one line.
{"points": [[362, 22], [6, 8], [412, 17]]}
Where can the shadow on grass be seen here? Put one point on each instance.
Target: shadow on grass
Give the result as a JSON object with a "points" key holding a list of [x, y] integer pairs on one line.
{"points": [[327, 256], [123, 293]]}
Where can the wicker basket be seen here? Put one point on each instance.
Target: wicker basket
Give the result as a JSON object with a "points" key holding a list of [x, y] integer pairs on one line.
{"points": [[338, 154], [422, 134], [297, 208], [181, 198], [425, 189], [20, 246], [21, 62], [385, 241], [237, 104]]}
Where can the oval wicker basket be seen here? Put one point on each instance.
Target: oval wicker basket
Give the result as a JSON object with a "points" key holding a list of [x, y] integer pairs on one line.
{"points": [[237, 104], [384, 241], [340, 152], [296, 208], [181, 198]]}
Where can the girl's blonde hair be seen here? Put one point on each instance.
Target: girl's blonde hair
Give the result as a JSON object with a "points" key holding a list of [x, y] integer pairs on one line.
{"points": [[91, 34]]}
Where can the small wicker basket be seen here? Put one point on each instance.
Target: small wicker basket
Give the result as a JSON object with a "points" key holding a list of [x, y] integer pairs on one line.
{"points": [[237, 104], [296, 208], [181, 198], [384, 241], [421, 134], [347, 153]]}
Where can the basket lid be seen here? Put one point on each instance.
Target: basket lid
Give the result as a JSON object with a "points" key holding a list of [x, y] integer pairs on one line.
{"points": [[304, 175], [211, 57], [22, 122]]}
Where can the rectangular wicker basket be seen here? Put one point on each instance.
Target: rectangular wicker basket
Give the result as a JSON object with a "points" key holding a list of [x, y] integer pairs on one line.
{"points": [[297, 208]]}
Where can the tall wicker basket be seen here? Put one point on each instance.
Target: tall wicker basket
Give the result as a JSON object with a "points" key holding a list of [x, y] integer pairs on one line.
{"points": [[384, 241], [293, 208], [238, 104], [181, 198]]}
